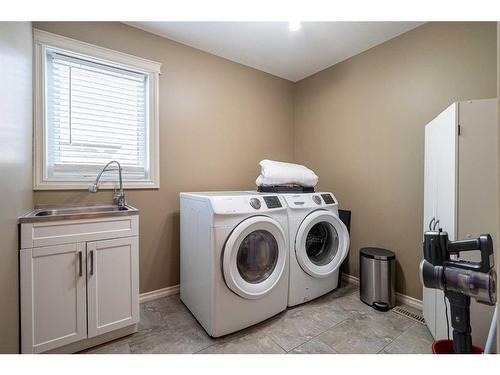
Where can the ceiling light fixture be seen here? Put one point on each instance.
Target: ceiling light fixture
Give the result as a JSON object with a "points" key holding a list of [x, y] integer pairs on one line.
{"points": [[294, 25]]}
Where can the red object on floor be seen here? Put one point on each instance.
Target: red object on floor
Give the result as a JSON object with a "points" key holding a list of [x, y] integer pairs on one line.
{"points": [[446, 347]]}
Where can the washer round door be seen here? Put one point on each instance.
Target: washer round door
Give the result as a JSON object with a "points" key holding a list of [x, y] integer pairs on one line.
{"points": [[321, 243], [254, 257]]}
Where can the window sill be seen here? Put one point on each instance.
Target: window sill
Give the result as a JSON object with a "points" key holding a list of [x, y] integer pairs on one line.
{"points": [[103, 185]]}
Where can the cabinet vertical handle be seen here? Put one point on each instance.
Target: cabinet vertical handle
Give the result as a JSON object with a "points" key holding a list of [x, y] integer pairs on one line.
{"points": [[80, 264], [91, 262], [430, 224], [436, 225]]}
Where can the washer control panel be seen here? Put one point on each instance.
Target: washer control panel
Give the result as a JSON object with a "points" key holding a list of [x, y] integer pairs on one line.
{"points": [[272, 202], [255, 203]]}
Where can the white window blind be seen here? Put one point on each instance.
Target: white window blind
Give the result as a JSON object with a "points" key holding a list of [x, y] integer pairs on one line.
{"points": [[95, 113]]}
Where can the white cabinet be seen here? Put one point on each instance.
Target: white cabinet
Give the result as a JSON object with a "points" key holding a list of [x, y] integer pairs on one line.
{"points": [[81, 286], [113, 284], [460, 187], [54, 282], [440, 182]]}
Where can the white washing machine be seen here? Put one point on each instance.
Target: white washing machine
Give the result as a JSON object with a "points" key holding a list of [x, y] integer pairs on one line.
{"points": [[319, 242], [234, 258]]}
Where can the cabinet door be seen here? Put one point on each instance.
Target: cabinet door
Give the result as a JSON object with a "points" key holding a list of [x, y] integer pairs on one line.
{"points": [[113, 284], [447, 144], [446, 136], [430, 213], [440, 199], [430, 176], [53, 297]]}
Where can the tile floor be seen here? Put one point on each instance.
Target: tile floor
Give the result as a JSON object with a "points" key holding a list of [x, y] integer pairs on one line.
{"points": [[335, 323]]}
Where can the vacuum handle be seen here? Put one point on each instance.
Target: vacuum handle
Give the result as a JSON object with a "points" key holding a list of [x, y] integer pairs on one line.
{"points": [[484, 244], [464, 245]]}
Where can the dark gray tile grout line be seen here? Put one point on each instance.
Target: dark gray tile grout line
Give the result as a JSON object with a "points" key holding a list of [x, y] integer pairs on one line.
{"points": [[319, 334], [395, 338], [277, 343], [206, 347], [404, 331]]}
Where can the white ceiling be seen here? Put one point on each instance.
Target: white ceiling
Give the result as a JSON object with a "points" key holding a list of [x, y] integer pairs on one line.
{"points": [[273, 48]]}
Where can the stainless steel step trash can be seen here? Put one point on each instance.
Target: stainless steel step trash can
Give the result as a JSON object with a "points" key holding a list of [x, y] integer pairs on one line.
{"points": [[377, 277]]}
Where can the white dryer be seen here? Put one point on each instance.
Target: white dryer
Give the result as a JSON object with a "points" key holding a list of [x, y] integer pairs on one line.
{"points": [[319, 242], [234, 258]]}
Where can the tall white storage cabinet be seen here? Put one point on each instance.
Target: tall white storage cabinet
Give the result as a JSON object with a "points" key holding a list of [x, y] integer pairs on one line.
{"points": [[460, 193]]}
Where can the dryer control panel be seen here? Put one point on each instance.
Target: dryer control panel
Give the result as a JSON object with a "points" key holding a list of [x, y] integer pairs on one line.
{"points": [[328, 198], [310, 200], [245, 203]]}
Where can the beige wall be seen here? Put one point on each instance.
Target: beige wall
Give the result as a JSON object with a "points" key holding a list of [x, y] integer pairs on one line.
{"points": [[360, 126], [15, 167], [218, 119]]}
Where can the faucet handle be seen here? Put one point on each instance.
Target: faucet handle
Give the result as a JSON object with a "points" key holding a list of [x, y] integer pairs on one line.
{"points": [[119, 197], [93, 188]]}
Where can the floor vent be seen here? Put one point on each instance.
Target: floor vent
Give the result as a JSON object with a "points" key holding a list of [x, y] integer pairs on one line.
{"points": [[404, 312]]}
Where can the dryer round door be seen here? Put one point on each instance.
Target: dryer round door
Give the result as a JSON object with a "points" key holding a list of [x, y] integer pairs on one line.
{"points": [[321, 243], [254, 257]]}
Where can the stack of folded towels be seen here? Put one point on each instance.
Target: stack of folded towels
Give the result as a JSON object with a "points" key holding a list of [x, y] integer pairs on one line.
{"points": [[274, 173]]}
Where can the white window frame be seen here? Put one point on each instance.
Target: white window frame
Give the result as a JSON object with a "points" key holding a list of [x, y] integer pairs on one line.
{"points": [[44, 40]]}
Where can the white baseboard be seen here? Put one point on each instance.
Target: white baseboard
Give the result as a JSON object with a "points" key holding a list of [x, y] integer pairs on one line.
{"points": [[409, 301], [400, 298], [159, 293], [171, 290], [350, 279]]}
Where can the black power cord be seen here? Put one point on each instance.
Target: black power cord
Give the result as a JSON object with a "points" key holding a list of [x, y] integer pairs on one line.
{"points": [[445, 290], [445, 305]]}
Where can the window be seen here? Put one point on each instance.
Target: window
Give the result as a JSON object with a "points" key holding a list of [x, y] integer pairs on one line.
{"points": [[93, 105]]}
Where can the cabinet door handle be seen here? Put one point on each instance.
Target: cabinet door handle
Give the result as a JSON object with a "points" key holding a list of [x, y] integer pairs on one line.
{"points": [[80, 264], [436, 225], [430, 224], [91, 262]]}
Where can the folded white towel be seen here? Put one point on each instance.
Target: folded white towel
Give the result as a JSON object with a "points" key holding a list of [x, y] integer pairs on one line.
{"points": [[280, 173]]}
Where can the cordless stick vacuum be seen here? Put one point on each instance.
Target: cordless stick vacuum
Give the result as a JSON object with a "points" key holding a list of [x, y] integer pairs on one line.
{"points": [[460, 280]]}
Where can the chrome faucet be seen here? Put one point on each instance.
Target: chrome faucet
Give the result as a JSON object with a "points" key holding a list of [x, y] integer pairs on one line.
{"points": [[119, 197]]}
